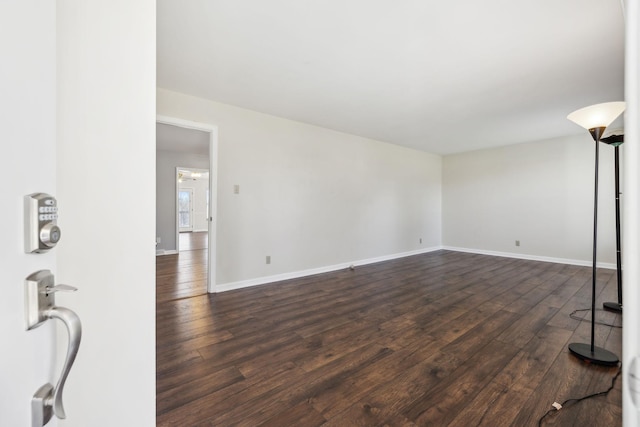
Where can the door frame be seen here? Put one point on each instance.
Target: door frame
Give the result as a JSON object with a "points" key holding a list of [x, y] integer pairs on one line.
{"points": [[213, 189]]}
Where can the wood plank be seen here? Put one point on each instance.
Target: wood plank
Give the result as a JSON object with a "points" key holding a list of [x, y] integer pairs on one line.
{"points": [[440, 404], [301, 414], [183, 392], [500, 402]]}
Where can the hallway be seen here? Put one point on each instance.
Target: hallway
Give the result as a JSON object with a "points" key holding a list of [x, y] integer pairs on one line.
{"points": [[183, 275]]}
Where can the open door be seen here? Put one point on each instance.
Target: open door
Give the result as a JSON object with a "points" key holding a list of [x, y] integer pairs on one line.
{"points": [[74, 128], [631, 222]]}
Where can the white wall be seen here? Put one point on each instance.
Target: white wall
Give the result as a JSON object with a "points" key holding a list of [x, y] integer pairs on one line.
{"points": [[310, 197], [106, 107], [27, 120], [540, 193], [166, 163]]}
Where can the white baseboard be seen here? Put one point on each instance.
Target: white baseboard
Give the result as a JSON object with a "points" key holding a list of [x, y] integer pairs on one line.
{"points": [[297, 274], [532, 257], [160, 252]]}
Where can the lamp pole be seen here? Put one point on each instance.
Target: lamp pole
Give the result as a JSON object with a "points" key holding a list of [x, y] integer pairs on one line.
{"points": [[596, 133], [616, 141]]}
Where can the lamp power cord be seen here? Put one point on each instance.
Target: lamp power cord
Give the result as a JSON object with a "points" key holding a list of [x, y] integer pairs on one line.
{"points": [[582, 319], [558, 406]]}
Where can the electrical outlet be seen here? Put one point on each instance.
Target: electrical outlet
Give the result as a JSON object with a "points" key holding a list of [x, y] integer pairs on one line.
{"points": [[158, 239], [421, 240], [517, 242], [268, 259]]}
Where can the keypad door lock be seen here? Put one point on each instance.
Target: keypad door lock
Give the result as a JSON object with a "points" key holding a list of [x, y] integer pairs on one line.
{"points": [[41, 231]]}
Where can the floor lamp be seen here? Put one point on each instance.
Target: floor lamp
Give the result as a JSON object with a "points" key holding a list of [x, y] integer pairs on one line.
{"points": [[616, 141], [595, 119]]}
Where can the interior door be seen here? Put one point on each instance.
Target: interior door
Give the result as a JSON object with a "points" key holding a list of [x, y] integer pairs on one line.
{"points": [[28, 123]]}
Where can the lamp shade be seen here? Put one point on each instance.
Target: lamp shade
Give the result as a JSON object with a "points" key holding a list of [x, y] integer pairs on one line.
{"points": [[598, 115]]}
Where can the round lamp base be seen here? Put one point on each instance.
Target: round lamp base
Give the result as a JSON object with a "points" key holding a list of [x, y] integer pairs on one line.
{"points": [[599, 356], [612, 306]]}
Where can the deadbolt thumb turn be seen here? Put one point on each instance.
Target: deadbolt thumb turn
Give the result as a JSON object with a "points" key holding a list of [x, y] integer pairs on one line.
{"points": [[40, 306]]}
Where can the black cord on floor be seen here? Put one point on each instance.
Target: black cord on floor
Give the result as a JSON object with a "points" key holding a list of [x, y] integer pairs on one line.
{"points": [[573, 316], [576, 400]]}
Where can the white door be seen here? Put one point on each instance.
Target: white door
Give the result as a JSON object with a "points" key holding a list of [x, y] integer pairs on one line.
{"points": [[631, 221], [77, 107], [27, 140]]}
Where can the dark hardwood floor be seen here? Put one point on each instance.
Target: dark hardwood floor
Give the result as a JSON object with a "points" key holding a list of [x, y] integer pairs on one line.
{"points": [[440, 339], [184, 274], [192, 241]]}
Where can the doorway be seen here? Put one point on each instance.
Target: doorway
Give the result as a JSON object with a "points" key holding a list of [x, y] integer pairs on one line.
{"points": [[192, 199], [185, 210], [190, 149]]}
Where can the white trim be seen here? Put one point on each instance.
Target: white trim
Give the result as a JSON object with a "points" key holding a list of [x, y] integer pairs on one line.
{"points": [[297, 274], [213, 187], [531, 257], [161, 252]]}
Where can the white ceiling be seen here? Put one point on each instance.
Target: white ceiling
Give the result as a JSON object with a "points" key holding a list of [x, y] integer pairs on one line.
{"points": [[174, 138], [440, 76]]}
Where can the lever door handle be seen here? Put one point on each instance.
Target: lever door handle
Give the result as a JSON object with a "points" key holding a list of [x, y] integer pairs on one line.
{"points": [[60, 288], [74, 328], [40, 307]]}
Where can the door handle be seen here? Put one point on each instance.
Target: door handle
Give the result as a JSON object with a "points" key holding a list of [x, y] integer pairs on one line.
{"points": [[74, 329], [40, 307]]}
